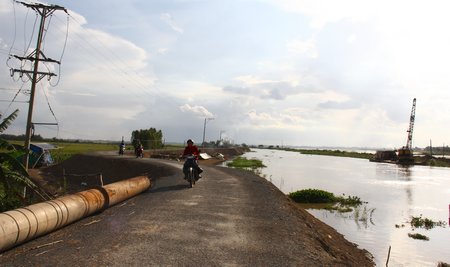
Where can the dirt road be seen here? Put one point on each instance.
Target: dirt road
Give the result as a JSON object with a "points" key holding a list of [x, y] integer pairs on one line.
{"points": [[230, 218]]}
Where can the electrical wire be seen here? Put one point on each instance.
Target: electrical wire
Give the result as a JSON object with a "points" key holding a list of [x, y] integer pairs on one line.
{"points": [[15, 34], [62, 53], [120, 69], [125, 78], [13, 99], [49, 20], [51, 110], [25, 49]]}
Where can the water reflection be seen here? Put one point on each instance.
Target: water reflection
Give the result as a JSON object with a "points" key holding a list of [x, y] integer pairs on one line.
{"points": [[393, 193]]}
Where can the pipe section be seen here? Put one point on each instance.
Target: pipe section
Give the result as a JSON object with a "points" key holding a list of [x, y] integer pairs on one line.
{"points": [[119, 191], [23, 224]]}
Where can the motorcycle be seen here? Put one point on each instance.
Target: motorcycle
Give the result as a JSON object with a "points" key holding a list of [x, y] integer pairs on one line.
{"points": [[139, 151], [191, 170], [121, 150]]}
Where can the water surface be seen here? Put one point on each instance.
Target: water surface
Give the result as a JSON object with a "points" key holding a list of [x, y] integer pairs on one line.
{"points": [[393, 193]]}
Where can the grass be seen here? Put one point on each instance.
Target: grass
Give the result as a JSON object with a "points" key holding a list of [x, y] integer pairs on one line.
{"points": [[244, 163], [65, 150]]}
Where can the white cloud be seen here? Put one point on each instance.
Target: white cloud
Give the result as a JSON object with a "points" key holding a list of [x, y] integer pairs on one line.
{"points": [[323, 12], [197, 110], [307, 48], [168, 19], [163, 51]]}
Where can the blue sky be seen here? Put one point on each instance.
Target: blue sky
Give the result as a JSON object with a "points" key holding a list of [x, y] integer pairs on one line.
{"points": [[312, 73]]}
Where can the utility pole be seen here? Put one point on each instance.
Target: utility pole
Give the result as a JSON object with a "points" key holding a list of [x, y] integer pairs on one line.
{"points": [[204, 130], [35, 75]]}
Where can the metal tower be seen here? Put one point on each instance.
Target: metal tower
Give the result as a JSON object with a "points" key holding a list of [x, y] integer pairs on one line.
{"points": [[411, 125]]}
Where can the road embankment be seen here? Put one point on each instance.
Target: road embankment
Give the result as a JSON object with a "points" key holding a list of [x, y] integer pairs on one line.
{"points": [[233, 217]]}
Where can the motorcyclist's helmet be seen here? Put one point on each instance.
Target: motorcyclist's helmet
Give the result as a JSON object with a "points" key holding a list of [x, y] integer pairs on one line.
{"points": [[190, 141]]}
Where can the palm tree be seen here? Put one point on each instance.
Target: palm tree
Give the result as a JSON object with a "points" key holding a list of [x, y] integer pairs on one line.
{"points": [[13, 176]]}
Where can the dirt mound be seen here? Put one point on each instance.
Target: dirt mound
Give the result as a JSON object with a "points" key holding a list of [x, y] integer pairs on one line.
{"points": [[83, 171]]}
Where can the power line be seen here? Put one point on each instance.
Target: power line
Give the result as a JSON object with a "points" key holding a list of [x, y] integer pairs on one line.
{"points": [[118, 68], [16, 101], [7, 89], [44, 11]]}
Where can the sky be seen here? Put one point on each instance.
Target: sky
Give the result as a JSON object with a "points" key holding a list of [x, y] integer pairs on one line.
{"points": [[274, 72]]}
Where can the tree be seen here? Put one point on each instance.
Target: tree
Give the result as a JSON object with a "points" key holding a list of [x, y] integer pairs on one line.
{"points": [[13, 176], [150, 138]]}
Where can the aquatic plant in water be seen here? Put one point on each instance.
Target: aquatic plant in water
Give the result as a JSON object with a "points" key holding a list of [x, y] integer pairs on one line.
{"points": [[244, 163], [419, 236], [322, 196], [419, 222], [312, 196]]}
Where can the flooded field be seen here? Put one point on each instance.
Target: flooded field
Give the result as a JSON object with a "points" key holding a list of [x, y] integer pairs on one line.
{"points": [[394, 194]]}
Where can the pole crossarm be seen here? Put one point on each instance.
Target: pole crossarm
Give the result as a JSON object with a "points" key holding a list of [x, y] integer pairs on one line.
{"points": [[30, 74], [32, 57], [45, 123], [43, 10]]}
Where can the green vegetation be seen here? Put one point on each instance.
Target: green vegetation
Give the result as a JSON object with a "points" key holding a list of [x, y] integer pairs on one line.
{"points": [[244, 163], [149, 138], [67, 150], [435, 162], [15, 185], [312, 196], [321, 196], [335, 153], [419, 160], [419, 236], [333, 203], [419, 222]]}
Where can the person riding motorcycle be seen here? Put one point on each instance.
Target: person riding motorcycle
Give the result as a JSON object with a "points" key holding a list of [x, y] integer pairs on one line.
{"points": [[139, 150], [191, 149], [122, 148]]}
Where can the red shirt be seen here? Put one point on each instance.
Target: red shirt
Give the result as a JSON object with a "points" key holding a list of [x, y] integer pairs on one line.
{"points": [[191, 150]]}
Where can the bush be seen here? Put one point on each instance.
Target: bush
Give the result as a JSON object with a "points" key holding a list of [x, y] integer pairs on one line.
{"points": [[312, 196], [244, 163]]}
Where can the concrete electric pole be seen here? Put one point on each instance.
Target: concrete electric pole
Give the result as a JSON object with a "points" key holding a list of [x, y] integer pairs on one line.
{"points": [[204, 130], [35, 75]]}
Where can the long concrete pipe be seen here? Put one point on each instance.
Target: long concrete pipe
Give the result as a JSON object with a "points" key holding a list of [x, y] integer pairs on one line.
{"points": [[23, 224]]}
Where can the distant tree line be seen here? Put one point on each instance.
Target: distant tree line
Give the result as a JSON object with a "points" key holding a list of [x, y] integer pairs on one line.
{"points": [[21, 137], [149, 138], [436, 150]]}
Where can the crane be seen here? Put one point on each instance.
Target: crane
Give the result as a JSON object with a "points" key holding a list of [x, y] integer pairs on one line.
{"points": [[405, 155], [411, 125]]}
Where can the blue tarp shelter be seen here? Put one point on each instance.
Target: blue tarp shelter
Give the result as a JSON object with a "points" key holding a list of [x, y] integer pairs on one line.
{"points": [[40, 155]]}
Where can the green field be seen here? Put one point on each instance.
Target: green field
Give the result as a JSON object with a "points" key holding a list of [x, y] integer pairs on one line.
{"points": [[66, 150]]}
